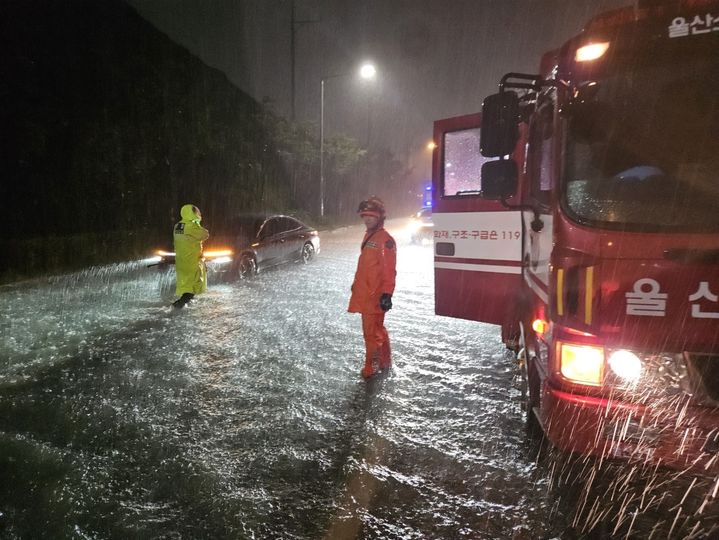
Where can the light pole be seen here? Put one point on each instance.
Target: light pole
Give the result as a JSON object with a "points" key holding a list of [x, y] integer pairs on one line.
{"points": [[367, 71]]}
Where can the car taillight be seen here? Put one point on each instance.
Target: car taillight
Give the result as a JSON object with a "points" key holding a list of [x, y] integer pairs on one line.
{"points": [[583, 364]]}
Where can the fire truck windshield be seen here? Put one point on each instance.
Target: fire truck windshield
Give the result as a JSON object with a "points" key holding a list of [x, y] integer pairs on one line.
{"points": [[643, 143]]}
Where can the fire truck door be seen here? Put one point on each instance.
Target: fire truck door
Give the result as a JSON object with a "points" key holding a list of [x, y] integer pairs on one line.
{"points": [[477, 242], [538, 222]]}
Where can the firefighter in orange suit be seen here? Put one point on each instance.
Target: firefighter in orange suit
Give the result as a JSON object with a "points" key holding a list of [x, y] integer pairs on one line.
{"points": [[373, 285]]}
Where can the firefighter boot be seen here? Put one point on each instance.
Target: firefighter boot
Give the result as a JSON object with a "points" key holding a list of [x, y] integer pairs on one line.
{"points": [[385, 356], [183, 300], [370, 364]]}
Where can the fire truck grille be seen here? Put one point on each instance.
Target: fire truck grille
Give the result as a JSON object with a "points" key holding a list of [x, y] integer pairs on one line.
{"points": [[664, 383], [712, 444], [672, 381], [705, 372]]}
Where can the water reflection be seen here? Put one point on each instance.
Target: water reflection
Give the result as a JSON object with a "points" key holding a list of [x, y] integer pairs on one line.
{"points": [[245, 416]]}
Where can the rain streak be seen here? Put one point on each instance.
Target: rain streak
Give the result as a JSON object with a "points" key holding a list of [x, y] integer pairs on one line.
{"points": [[195, 277]]}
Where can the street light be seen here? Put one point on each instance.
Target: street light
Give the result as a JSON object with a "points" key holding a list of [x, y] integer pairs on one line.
{"points": [[366, 71]]}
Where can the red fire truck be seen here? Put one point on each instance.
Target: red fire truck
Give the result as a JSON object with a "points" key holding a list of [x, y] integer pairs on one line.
{"points": [[580, 211]]}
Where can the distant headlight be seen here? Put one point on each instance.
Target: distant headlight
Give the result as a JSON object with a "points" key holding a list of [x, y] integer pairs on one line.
{"points": [[414, 225], [626, 365]]}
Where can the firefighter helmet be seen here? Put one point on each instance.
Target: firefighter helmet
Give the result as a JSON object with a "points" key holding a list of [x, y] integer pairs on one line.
{"points": [[372, 207]]}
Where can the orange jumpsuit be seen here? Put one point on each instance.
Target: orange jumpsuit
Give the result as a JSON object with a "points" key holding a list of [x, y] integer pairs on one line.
{"points": [[376, 271]]}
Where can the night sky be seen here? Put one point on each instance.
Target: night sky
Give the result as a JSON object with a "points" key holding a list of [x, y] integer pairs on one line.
{"points": [[436, 58]]}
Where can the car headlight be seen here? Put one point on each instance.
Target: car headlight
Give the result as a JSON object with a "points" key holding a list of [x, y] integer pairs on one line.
{"points": [[414, 225], [217, 257], [220, 261], [217, 253]]}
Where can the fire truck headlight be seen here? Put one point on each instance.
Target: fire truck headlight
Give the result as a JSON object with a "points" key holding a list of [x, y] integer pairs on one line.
{"points": [[591, 51], [626, 365], [581, 363]]}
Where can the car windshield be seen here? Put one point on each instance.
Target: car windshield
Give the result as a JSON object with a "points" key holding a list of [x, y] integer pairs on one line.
{"points": [[643, 146], [244, 228]]}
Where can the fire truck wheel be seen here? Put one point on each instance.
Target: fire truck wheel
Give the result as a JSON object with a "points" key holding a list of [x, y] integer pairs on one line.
{"points": [[534, 428]]}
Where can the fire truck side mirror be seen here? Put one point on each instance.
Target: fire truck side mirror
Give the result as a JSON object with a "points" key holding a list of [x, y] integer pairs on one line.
{"points": [[500, 119], [499, 179]]}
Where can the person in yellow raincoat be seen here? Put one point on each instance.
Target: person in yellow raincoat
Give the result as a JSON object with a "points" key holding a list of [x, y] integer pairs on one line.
{"points": [[373, 286], [188, 236]]}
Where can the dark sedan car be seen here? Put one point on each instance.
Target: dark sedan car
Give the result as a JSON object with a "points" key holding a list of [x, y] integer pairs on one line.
{"points": [[260, 241], [255, 242]]}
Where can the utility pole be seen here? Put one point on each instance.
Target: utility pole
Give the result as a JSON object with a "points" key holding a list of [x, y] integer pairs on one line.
{"points": [[369, 118], [367, 71], [294, 24]]}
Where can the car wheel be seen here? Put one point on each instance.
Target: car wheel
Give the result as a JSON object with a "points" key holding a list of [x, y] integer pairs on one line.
{"points": [[308, 253], [247, 267]]}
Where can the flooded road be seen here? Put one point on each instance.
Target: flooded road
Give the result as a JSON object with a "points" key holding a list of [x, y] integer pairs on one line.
{"points": [[244, 416]]}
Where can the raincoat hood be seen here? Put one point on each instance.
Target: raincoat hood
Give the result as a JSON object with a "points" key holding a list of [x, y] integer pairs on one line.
{"points": [[187, 213]]}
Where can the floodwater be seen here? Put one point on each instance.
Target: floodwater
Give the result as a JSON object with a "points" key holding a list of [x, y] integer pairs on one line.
{"points": [[244, 416]]}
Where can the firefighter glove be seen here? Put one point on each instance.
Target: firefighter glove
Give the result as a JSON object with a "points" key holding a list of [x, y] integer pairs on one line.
{"points": [[385, 302]]}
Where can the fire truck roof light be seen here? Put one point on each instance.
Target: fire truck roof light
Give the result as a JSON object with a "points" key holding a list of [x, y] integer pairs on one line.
{"points": [[592, 51], [582, 364]]}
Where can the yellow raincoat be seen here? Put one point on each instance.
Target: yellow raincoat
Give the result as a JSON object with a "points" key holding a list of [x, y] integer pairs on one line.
{"points": [[188, 237]]}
